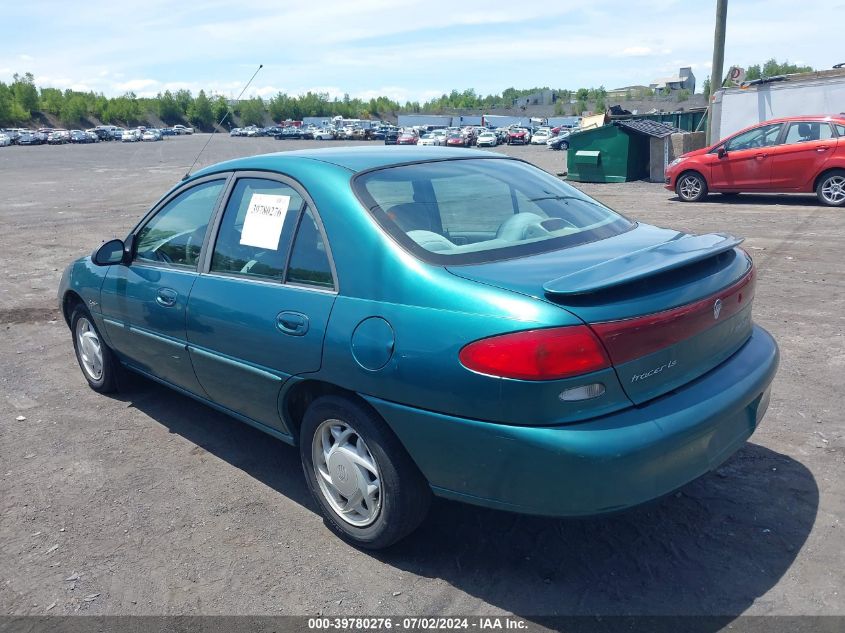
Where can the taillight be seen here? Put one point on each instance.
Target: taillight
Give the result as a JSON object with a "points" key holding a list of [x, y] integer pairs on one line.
{"points": [[546, 354], [630, 339]]}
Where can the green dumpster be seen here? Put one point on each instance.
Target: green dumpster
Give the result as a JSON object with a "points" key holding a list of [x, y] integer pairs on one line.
{"points": [[607, 154]]}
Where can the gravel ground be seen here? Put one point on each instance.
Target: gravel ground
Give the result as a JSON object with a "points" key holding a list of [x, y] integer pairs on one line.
{"points": [[149, 503]]}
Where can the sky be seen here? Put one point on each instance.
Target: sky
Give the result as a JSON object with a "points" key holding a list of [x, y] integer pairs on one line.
{"points": [[411, 50]]}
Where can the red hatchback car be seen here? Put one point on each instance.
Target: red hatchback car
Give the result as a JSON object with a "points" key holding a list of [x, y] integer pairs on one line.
{"points": [[789, 155]]}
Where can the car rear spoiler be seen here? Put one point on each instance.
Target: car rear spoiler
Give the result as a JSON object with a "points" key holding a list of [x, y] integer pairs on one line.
{"points": [[678, 252]]}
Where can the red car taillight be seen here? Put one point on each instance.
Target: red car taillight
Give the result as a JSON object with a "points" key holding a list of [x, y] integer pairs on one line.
{"points": [[633, 338], [546, 354]]}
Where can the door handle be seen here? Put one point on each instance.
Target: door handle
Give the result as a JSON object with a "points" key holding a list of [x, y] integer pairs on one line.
{"points": [[822, 148], [166, 297], [293, 323], [760, 156]]}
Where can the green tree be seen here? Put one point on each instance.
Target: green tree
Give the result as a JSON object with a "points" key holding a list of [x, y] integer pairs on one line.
{"points": [[581, 94], [252, 111], [219, 109], [772, 68], [705, 86], [184, 99], [200, 113], [168, 108], [52, 100], [25, 92], [7, 101], [74, 109]]}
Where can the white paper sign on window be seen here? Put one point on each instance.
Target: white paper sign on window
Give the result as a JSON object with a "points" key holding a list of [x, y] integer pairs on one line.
{"points": [[264, 220]]}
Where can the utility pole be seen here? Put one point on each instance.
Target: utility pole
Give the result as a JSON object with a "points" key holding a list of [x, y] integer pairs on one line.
{"points": [[717, 69]]}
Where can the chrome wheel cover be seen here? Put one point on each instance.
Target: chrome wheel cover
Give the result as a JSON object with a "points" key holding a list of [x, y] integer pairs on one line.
{"points": [[89, 349], [346, 473], [833, 190], [690, 187]]}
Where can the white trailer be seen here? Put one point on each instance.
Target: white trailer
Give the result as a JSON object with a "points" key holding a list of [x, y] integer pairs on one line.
{"points": [[800, 94]]}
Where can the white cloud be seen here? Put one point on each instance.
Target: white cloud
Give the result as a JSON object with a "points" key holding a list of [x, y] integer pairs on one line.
{"points": [[636, 51], [136, 85], [408, 51]]}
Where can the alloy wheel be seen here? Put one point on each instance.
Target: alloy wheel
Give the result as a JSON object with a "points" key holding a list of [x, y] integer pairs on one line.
{"points": [[689, 188], [833, 190]]}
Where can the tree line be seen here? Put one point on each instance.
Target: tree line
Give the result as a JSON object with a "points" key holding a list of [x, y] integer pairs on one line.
{"points": [[21, 100]]}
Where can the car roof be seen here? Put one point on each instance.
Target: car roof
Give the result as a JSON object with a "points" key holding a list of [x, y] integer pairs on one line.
{"points": [[806, 117], [352, 158]]}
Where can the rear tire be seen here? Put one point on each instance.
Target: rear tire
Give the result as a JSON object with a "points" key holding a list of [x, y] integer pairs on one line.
{"points": [[95, 358], [831, 188], [369, 490], [691, 187]]}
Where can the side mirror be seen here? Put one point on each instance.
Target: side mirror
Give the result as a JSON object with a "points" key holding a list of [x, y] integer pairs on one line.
{"points": [[722, 152], [110, 253]]}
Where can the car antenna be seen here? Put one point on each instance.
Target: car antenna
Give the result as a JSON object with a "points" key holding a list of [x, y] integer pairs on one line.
{"points": [[225, 116]]}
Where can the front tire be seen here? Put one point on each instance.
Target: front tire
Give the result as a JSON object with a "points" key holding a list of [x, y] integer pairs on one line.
{"points": [[95, 359], [370, 492], [831, 189], [691, 187]]}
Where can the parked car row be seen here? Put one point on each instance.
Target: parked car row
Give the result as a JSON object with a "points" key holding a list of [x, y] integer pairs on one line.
{"points": [[53, 136], [467, 136]]}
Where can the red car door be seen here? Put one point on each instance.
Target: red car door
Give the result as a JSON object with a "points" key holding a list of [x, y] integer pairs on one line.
{"points": [[746, 162], [807, 146]]}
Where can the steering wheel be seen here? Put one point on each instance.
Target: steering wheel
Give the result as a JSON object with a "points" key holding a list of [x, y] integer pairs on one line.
{"points": [[161, 256], [514, 228], [189, 256]]}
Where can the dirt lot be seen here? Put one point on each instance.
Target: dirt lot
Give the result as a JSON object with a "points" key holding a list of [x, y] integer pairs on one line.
{"points": [[162, 506]]}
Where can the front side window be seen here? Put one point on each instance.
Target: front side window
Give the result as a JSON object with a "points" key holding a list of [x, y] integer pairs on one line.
{"points": [[764, 136], [805, 131], [256, 229], [475, 210], [175, 234]]}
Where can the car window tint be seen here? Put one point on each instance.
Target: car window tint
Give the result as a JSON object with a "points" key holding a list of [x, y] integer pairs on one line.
{"points": [[237, 251], [474, 210], [175, 234], [309, 261], [459, 213], [804, 131], [758, 137]]}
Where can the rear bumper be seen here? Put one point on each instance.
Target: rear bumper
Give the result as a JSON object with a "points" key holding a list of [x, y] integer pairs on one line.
{"points": [[602, 465]]}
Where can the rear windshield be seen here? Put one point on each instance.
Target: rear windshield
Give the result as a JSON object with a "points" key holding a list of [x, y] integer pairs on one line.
{"points": [[466, 211]]}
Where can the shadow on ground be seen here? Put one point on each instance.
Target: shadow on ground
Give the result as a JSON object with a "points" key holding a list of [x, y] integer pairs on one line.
{"points": [[713, 548], [766, 199]]}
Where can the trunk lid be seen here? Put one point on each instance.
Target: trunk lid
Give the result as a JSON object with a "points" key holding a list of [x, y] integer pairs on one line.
{"points": [[668, 306]]}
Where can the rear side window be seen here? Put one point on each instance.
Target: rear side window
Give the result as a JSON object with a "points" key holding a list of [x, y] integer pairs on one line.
{"points": [[805, 131], [476, 210], [309, 259], [840, 129], [256, 230]]}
